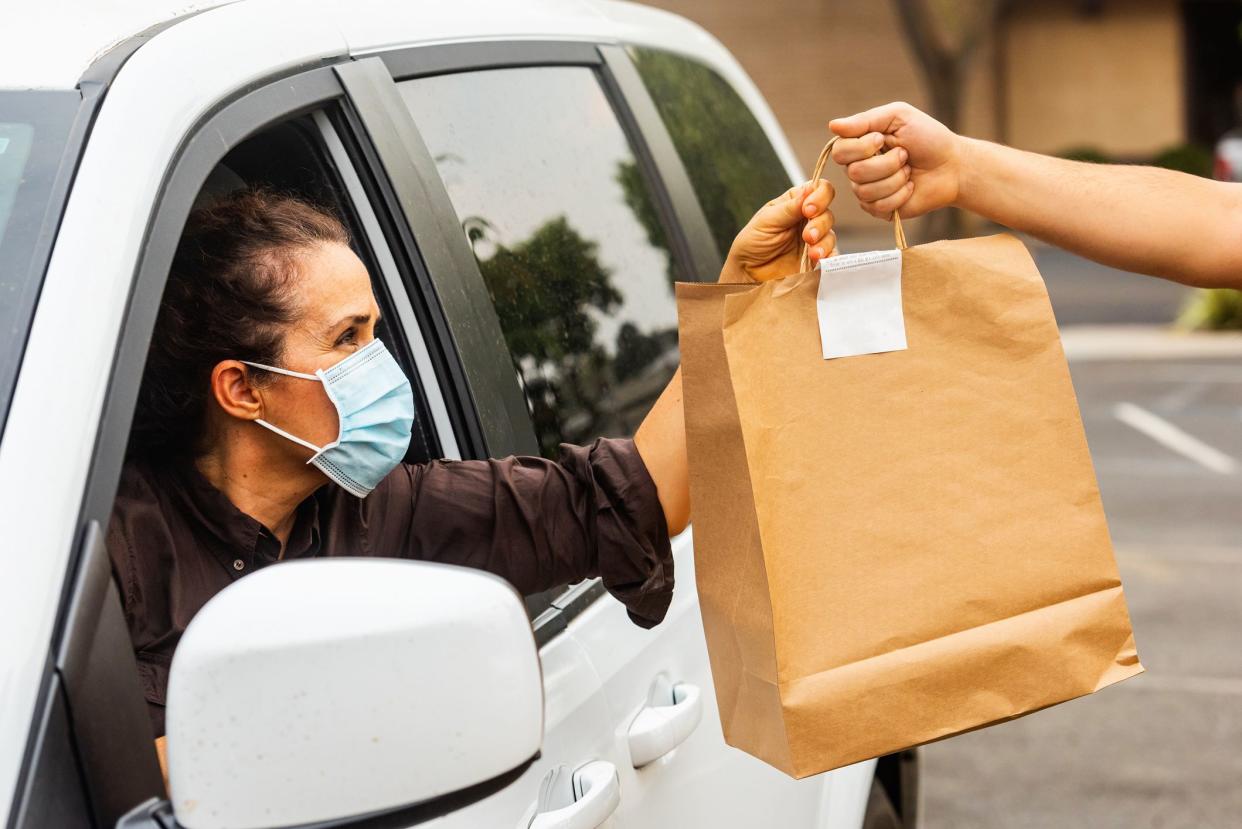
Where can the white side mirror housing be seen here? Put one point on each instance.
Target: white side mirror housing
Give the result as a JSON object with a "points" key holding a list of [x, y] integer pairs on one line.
{"points": [[317, 690]]}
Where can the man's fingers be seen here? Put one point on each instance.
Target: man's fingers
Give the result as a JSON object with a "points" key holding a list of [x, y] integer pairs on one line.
{"points": [[883, 208], [876, 190], [817, 201], [850, 150], [878, 167], [878, 119]]}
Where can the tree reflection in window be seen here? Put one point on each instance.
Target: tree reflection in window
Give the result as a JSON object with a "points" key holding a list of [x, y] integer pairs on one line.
{"points": [[567, 238], [730, 161]]}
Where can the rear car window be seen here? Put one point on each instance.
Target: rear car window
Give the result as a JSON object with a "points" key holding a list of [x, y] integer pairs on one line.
{"points": [[733, 167], [34, 128], [567, 236]]}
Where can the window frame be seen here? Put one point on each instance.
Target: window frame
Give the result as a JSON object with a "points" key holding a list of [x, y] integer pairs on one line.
{"points": [[362, 92], [693, 250], [89, 592]]}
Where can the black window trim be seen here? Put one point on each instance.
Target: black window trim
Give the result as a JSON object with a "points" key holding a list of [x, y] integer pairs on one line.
{"points": [[288, 94], [692, 247], [702, 256], [492, 408], [299, 90], [360, 193]]}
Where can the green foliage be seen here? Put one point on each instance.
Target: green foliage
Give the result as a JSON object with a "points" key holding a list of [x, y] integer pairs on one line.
{"points": [[639, 200], [1186, 158], [730, 162], [636, 350], [1087, 153], [1217, 309], [544, 289]]}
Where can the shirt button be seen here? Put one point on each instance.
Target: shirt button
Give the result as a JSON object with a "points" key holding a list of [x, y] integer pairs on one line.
{"points": [[238, 564]]}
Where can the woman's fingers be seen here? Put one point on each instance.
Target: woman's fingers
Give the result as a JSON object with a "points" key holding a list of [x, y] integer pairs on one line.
{"points": [[817, 200], [876, 190], [817, 228], [826, 246]]}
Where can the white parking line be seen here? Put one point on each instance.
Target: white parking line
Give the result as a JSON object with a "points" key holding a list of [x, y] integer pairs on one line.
{"points": [[1165, 433]]}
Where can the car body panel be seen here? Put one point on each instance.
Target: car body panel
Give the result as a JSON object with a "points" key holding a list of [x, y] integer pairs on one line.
{"points": [[701, 782]]}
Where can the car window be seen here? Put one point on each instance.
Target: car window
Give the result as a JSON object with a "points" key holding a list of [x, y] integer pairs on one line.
{"points": [[567, 236], [733, 167], [34, 132]]}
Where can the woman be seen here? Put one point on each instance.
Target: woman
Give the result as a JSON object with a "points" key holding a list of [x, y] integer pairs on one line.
{"points": [[271, 425]]}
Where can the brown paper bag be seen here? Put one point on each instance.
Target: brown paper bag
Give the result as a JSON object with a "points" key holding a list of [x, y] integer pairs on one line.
{"points": [[894, 548]]}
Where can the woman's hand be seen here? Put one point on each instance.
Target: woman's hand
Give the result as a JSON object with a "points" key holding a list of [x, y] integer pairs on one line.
{"points": [[770, 246]]}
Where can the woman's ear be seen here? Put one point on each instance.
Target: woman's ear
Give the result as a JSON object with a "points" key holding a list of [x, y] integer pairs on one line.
{"points": [[232, 387]]}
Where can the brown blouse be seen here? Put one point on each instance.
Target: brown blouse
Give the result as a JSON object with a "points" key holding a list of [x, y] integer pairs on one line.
{"points": [[175, 540]]}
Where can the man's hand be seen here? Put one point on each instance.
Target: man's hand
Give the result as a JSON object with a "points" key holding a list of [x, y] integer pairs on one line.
{"points": [[920, 171], [770, 246], [1140, 219]]}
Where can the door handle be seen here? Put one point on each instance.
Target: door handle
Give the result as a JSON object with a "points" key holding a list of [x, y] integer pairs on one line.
{"points": [[596, 791], [658, 729]]}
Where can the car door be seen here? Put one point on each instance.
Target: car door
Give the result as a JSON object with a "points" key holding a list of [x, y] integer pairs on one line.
{"points": [[548, 166], [91, 757], [573, 697]]}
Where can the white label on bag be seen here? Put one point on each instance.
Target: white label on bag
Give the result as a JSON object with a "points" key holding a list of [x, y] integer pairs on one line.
{"points": [[859, 304]]}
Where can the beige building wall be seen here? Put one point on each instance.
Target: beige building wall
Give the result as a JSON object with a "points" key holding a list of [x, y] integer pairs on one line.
{"points": [[815, 60], [1111, 80], [1053, 78]]}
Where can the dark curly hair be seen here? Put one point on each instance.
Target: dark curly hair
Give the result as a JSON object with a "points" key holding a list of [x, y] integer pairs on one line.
{"points": [[229, 296]]}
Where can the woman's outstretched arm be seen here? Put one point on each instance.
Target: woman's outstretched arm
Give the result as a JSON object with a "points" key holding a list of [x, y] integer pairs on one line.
{"points": [[768, 247]]}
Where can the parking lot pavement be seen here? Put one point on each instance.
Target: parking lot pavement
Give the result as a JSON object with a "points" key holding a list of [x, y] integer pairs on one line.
{"points": [[1083, 292], [1163, 749]]}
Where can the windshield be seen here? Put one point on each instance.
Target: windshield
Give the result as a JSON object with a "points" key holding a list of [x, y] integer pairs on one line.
{"points": [[34, 128]]}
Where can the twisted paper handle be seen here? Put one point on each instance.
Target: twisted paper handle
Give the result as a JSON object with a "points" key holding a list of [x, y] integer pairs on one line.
{"points": [[898, 233]]}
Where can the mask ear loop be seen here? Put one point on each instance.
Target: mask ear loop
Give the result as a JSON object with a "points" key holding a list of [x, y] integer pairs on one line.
{"points": [[285, 434], [283, 371], [317, 450]]}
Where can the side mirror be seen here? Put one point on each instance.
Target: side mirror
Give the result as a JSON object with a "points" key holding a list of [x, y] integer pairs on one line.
{"points": [[322, 690]]}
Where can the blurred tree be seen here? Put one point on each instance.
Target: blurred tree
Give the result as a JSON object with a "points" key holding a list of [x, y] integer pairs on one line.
{"points": [[636, 350], [945, 36], [638, 199], [730, 162], [544, 289]]}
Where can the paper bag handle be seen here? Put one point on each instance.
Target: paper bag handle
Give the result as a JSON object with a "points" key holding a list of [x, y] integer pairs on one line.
{"points": [[898, 233]]}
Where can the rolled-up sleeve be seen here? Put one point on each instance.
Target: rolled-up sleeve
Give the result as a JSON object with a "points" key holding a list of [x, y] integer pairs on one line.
{"points": [[537, 523]]}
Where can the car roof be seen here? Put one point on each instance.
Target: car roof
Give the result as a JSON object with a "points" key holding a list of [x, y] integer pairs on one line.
{"points": [[50, 45]]}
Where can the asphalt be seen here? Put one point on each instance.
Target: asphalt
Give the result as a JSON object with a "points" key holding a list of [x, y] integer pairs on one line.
{"points": [[1163, 749]]}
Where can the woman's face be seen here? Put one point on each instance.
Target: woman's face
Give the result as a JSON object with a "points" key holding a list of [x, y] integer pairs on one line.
{"points": [[337, 316]]}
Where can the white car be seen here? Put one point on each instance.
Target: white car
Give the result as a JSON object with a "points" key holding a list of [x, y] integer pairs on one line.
{"points": [[1227, 161], [457, 139]]}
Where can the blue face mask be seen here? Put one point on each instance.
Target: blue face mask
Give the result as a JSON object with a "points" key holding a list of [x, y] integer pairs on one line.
{"points": [[375, 407]]}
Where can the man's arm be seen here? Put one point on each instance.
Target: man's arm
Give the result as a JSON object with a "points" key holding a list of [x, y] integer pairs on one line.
{"points": [[1158, 222]]}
